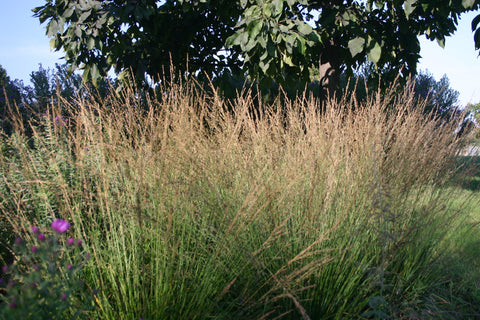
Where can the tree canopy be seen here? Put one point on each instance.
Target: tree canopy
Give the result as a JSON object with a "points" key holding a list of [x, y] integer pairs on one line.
{"points": [[286, 41]]}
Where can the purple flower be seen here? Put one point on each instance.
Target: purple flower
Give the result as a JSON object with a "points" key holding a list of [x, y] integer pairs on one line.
{"points": [[64, 296], [41, 237], [79, 242], [69, 267], [36, 268], [5, 269], [34, 249], [60, 225], [70, 241], [34, 229], [18, 240], [13, 305], [11, 283], [61, 120]]}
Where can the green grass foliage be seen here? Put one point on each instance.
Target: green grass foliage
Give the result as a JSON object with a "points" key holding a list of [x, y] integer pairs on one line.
{"points": [[193, 211]]}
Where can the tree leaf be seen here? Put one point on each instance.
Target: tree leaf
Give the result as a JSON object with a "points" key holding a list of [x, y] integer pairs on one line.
{"points": [[252, 11], [234, 40], [476, 38], [68, 13], [84, 16], [375, 53], [277, 7], [252, 42], [409, 7], [264, 55], [468, 4], [78, 32], [356, 46], [315, 37], [304, 28], [95, 73], [264, 66], [290, 42], [271, 48], [267, 11], [243, 39], [262, 41], [380, 3], [441, 42], [301, 45], [475, 22], [254, 28], [86, 72], [52, 28], [53, 43], [90, 43], [288, 60]]}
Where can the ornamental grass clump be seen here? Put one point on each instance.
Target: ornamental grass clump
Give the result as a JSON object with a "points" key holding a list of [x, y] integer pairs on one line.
{"points": [[45, 280], [198, 208]]}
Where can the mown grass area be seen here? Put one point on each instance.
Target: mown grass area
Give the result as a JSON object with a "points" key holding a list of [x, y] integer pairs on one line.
{"points": [[192, 211]]}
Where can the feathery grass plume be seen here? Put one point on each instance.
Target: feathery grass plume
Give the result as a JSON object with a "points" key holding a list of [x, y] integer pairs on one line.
{"points": [[193, 209]]}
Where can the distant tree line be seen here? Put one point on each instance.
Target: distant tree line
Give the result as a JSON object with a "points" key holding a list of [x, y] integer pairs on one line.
{"points": [[47, 86]]}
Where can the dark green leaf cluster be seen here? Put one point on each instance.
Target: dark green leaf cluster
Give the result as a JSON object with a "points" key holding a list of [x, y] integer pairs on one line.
{"points": [[289, 42], [143, 36], [276, 41]]}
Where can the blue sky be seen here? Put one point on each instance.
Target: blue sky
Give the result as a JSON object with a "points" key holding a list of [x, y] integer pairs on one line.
{"points": [[24, 45]]}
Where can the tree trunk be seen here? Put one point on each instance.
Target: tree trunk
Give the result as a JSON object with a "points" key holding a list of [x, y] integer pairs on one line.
{"points": [[330, 70]]}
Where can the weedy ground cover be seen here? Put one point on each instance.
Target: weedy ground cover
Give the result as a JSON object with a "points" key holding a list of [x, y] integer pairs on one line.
{"points": [[298, 210]]}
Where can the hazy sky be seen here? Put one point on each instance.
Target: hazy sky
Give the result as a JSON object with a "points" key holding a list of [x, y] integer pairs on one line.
{"points": [[24, 45]]}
